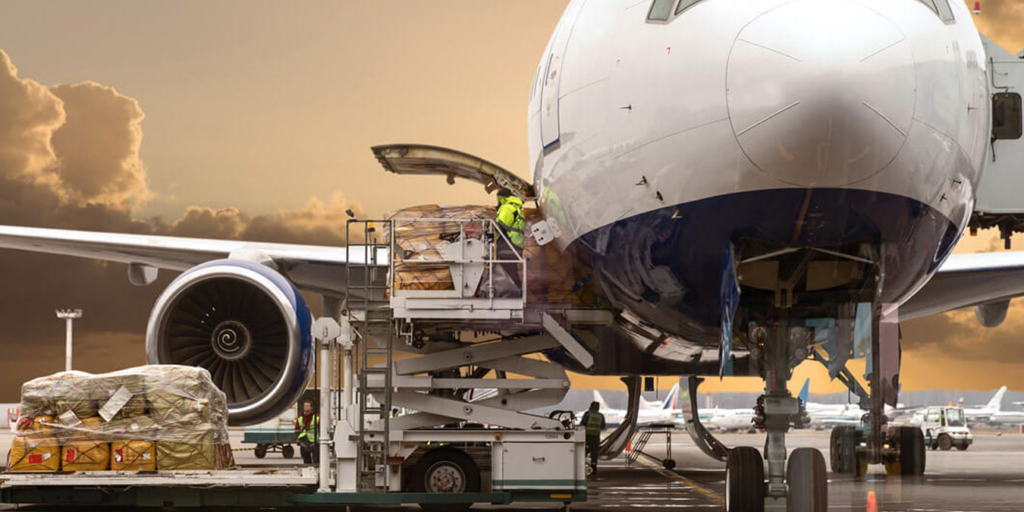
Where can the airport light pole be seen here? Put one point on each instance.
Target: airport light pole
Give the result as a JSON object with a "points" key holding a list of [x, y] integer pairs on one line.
{"points": [[69, 316]]}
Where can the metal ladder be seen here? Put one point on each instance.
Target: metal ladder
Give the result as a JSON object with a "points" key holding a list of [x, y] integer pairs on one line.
{"points": [[374, 378], [636, 448]]}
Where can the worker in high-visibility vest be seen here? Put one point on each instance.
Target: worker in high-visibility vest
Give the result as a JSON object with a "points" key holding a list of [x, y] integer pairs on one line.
{"points": [[593, 422], [513, 224], [307, 426]]}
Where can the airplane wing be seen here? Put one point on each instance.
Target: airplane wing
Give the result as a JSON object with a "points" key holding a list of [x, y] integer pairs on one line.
{"points": [[966, 280], [311, 267]]}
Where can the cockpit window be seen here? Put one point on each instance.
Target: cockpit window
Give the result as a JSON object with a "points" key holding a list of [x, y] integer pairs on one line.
{"points": [[931, 5], [661, 10], [940, 8], [683, 4], [944, 11]]}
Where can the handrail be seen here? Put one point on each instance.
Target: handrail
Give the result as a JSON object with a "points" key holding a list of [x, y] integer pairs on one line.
{"points": [[486, 226]]}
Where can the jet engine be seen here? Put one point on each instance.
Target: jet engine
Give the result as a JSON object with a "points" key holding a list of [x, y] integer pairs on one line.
{"points": [[991, 314], [245, 323]]}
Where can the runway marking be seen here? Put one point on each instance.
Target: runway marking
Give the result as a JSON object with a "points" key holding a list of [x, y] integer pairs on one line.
{"points": [[672, 475]]}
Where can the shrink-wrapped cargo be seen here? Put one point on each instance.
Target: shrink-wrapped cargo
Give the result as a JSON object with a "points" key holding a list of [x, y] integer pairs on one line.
{"points": [[193, 450], [133, 455], [159, 417], [421, 231], [85, 455], [56, 394], [33, 452]]}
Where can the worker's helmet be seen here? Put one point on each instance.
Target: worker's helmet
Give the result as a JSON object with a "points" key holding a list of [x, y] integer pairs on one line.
{"points": [[504, 192]]}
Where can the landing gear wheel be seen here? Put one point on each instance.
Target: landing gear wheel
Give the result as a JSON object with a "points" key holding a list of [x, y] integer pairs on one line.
{"points": [[808, 485], [744, 480], [260, 451], [912, 451], [671, 463], [843, 450], [945, 443], [448, 471], [288, 451]]}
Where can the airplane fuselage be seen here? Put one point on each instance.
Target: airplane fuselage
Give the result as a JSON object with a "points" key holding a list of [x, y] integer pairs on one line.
{"points": [[809, 123]]}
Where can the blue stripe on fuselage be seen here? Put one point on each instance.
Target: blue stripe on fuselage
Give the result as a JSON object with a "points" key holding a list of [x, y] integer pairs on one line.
{"points": [[664, 265]]}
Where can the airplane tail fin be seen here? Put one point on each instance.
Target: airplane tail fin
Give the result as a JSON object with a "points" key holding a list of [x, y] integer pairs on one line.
{"points": [[644, 404], [600, 400], [671, 402], [804, 392], [997, 399]]}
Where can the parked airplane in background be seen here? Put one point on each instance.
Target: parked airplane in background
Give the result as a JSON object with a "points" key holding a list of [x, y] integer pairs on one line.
{"points": [[819, 168], [975, 415], [651, 415], [1008, 417], [984, 413]]}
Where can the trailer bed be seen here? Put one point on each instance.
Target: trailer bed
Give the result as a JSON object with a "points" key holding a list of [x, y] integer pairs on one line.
{"points": [[241, 477]]}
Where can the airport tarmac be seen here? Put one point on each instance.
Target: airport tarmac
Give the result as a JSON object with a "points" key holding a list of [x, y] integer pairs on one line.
{"points": [[988, 476]]}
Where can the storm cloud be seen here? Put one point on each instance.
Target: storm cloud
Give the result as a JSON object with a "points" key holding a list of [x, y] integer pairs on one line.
{"points": [[70, 158]]}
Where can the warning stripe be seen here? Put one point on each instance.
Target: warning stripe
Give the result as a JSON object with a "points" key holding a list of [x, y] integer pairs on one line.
{"points": [[672, 475]]}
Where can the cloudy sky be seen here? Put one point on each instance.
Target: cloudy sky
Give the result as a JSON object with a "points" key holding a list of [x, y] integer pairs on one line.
{"points": [[254, 119]]}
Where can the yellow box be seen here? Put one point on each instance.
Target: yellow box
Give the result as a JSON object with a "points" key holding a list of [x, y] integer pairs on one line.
{"points": [[38, 454], [85, 455], [133, 456]]}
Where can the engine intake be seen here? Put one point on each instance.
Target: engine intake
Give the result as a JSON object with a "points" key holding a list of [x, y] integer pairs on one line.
{"points": [[247, 325]]}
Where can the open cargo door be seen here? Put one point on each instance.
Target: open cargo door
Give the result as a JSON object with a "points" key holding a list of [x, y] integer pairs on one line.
{"points": [[1000, 201], [423, 159]]}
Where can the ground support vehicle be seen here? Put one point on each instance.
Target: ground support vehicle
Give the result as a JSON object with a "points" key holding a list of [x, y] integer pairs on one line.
{"points": [[400, 431], [945, 428]]}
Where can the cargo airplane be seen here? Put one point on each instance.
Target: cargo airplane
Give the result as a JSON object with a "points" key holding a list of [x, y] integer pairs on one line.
{"points": [[739, 178]]}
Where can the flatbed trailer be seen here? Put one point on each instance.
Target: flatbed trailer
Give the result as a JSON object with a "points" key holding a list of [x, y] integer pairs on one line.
{"points": [[269, 440], [228, 488]]}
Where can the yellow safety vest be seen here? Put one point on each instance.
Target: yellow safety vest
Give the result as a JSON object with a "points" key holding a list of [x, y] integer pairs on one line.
{"points": [[510, 216], [309, 431], [595, 422]]}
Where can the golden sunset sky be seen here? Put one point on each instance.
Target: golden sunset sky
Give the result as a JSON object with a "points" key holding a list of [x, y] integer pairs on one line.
{"points": [[254, 119]]}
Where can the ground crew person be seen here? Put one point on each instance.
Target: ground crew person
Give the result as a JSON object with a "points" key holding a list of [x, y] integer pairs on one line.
{"points": [[308, 427], [513, 223], [593, 422]]}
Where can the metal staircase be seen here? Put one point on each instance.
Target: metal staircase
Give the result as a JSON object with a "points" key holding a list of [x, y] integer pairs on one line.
{"points": [[370, 315]]}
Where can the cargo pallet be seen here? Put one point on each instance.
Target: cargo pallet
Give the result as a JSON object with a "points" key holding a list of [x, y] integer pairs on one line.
{"points": [[394, 414]]}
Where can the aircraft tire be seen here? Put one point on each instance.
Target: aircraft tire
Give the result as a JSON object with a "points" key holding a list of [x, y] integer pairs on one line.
{"points": [[808, 483], [912, 451], [744, 480], [843, 450]]}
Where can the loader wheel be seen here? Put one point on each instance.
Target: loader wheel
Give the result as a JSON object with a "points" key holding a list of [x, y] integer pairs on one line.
{"points": [[446, 471], [260, 451], [945, 443], [287, 451]]}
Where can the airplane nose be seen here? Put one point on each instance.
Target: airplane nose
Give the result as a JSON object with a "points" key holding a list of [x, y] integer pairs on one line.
{"points": [[821, 92]]}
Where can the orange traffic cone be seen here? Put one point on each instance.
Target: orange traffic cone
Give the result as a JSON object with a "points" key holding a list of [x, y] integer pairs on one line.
{"points": [[629, 445], [872, 503]]}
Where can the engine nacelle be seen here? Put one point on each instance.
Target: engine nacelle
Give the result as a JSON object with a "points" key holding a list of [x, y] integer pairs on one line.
{"points": [[247, 325], [992, 314]]}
